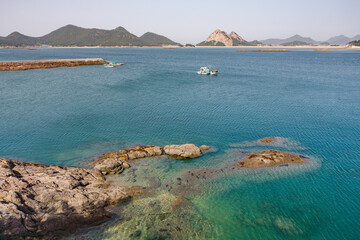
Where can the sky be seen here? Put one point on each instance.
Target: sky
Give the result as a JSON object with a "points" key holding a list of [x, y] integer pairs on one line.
{"points": [[187, 21]]}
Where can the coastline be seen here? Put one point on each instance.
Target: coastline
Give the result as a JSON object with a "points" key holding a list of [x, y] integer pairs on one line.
{"points": [[200, 47]]}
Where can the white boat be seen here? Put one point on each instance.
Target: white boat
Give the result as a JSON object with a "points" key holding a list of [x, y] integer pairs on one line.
{"points": [[207, 71], [204, 71], [108, 65]]}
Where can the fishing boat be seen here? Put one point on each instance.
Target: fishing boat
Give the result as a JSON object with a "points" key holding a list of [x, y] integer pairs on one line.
{"points": [[204, 71], [207, 71]]}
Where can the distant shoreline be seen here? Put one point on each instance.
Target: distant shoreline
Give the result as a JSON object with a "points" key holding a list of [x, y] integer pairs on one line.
{"points": [[175, 47]]}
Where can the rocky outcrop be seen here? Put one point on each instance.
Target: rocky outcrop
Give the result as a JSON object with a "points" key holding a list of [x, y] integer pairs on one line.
{"points": [[36, 64], [36, 199], [115, 162], [204, 148], [218, 38], [270, 158], [182, 151], [269, 139]]}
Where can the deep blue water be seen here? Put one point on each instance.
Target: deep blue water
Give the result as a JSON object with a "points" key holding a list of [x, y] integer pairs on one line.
{"points": [[312, 99]]}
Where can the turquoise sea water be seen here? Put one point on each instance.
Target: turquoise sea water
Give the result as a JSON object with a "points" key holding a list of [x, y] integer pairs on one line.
{"points": [[67, 116]]}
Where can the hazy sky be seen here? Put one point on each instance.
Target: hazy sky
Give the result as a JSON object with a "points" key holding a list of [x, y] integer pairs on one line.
{"points": [[187, 20]]}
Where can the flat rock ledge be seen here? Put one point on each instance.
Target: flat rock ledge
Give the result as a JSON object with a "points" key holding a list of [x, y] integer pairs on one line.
{"points": [[54, 63], [270, 158], [115, 162], [37, 199]]}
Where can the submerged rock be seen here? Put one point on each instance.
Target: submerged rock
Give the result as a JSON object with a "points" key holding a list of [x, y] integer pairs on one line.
{"points": [[37, 199], [179, 202], [269, 139], [183, 151], [269, 158], [287, 226]]}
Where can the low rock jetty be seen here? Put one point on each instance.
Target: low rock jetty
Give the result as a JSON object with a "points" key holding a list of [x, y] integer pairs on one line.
{"points": [[54, 63], [115, 162]]}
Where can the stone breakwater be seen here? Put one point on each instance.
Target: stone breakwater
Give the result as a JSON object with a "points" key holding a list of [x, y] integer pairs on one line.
{"points": [[37, 199], [115, 162], [54, 63]]}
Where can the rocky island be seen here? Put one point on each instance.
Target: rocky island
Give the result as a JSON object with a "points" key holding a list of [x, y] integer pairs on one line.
{"points": [[54, 63]]}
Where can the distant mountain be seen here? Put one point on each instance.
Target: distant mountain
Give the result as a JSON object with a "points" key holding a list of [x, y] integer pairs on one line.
{"points": [[221, 38], [18, 39], [338, 40], [295, 38], [342, 40], [156, 40], [295, 43], [71, 35]]}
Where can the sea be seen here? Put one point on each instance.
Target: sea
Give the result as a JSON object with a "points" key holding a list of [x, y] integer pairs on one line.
{"points": [[309, 99]]}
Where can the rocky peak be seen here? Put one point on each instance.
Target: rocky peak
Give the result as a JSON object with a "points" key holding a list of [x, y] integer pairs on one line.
{"points": [[231, 39], [234, 35], [220, 36]]}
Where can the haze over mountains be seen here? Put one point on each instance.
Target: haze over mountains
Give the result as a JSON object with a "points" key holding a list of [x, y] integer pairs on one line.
{"points": [[71, 35], [337, 40]]}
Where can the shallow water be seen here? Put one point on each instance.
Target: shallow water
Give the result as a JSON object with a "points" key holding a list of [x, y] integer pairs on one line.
{"points": [[67, 116]]}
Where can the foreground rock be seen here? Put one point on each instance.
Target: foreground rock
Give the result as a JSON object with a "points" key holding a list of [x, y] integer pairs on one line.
{"points": [[270, 158], [54, 63], [115, 162], [36, 199]]}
